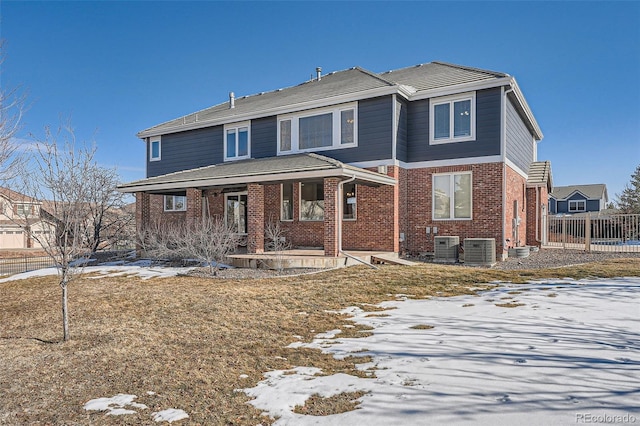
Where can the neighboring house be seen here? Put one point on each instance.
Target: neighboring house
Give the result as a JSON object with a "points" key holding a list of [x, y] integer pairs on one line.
{"points": [[357, 160], [578, 199], [19, 213]]}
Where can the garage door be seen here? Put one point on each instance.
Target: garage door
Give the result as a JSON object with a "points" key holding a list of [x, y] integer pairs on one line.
{"points": [[11, 239]]}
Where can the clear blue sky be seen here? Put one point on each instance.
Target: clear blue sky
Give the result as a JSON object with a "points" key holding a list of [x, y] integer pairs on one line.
{"points": [[116, 68]]}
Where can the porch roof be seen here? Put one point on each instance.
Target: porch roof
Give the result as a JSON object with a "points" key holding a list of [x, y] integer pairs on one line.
{"points": [[263, 170]]}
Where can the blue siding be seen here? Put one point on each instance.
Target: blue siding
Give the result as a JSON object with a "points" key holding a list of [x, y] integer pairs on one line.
{"points": [[562, 206], [187, 150], [401, 134], [264, 137], [487, 131], [519, 139], [375, 127]]}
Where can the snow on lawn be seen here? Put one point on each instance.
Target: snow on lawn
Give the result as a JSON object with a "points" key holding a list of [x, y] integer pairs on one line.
{"points": [[144, 269], [119, 405], [569, 354]]}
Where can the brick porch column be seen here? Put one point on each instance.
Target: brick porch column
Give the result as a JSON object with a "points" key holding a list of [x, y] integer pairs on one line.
{"points": [[255, 218], [331, 216], [194, 206], [143, 215]]}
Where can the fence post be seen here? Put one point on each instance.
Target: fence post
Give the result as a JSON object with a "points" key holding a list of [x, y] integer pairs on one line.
{"points": [[587, 232], [564, 232]]}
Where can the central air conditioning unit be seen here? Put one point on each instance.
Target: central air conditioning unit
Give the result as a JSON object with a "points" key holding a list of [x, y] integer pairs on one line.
{"points": [[479, 251], [446, 249]]}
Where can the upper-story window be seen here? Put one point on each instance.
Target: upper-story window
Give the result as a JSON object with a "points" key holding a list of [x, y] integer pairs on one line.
{"points": [[25, 210], [154, 149], [237, 141], [452, 118], [317, 130], [577, 206]]}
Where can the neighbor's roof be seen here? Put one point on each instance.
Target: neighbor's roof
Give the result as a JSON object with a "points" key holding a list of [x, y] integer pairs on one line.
{"points": [[416, 82], [592, 192], [15, 196], [263, 170], [540, 174]]}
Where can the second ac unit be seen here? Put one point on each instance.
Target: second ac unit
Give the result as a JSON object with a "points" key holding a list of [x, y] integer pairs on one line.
{"points": [[479, 251]]}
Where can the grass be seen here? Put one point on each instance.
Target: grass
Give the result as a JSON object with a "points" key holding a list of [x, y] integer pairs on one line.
{"points": [[190, 340]]}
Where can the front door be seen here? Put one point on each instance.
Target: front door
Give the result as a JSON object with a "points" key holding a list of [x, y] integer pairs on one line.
{"points": [[236, 211]]}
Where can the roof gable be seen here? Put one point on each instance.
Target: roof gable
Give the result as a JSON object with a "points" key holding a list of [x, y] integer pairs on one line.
{"points": [[591, 192]]}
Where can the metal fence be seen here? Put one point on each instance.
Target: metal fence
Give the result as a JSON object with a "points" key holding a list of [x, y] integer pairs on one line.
{"points": [[16, 265], [594, 232]]}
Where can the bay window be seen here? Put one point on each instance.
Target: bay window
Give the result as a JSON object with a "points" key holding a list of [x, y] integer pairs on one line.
{"points": [[325, 128]]}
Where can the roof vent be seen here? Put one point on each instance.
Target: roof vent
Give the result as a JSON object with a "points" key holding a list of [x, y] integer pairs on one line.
{"points": [[232, 100], [319, 73]]}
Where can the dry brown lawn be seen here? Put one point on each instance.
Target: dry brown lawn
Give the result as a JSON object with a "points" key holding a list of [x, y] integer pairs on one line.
{"points": [[189, 340]]}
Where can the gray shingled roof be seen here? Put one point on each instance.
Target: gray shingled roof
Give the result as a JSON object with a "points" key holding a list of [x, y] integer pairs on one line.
{"points": [[592, 192], [540, 174], [435, 75], [353, 81], [262, 170]]}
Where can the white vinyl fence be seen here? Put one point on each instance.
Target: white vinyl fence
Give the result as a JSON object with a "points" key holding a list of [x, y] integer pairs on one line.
{"points": [[594, 232]]}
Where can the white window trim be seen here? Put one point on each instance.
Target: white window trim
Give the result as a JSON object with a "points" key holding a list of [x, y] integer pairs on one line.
{"points": [[282, 201], [226, 216], [451, 100], [236, 126], [452, 200], [151, 142], [300, 204], [336, 111], [164, 203], [575, 202]]}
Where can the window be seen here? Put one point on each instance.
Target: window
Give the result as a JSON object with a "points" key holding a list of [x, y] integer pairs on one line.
{"points": [[577, 205], [154, 150], [175, 203], [25, 210], [452, 119], [287, 202], [452, 196], [349, 201], [326, 128], [311, 201], [236, 212], [237, 141]]}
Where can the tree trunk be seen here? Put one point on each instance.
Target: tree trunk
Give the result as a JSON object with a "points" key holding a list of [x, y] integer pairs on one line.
{"points": [[65, 311]]}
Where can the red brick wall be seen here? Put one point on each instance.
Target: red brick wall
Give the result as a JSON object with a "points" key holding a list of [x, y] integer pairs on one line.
{"points": [[516, 191], [255, 218], [486, 207], [537, 199]]}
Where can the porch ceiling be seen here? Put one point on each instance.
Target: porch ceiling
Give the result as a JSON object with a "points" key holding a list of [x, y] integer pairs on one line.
{"points": [[270, 170]]}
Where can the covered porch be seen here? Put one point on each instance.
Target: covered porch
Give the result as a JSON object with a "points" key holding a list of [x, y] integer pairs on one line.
{"points": [[255, 180]]}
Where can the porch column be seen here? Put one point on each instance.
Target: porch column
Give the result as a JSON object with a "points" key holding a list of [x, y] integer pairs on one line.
{"points": [[143, 210], [194, 206], [331, 216], [255, 218], [143, 215]]}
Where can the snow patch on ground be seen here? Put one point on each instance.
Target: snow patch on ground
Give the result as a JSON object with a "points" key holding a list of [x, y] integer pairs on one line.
{"points": [[143, 269], [571, 351], [119, 405]]}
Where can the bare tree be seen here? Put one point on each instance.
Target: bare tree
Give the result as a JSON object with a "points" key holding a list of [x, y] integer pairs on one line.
{"points": [[57, 182], [108, 220], [276, 243], [11, 110]]}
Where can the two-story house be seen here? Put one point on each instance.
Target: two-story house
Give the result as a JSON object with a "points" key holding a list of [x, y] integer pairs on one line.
{"points": [[356, 160], [578, 199], [20, 216]]}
